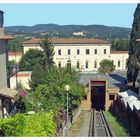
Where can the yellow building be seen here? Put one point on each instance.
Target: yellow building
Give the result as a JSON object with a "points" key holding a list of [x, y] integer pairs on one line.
{"points": [[82, 54], [101, 90]]}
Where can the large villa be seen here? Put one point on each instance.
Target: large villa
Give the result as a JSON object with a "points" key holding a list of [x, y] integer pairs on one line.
{"points": [[82, 54]]}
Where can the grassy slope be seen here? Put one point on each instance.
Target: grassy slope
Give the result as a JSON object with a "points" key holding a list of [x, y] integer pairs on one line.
{"points": [[115, 125]]}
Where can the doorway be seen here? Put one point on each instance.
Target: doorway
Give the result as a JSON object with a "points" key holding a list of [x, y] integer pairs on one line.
{"points": [[98, 95]]}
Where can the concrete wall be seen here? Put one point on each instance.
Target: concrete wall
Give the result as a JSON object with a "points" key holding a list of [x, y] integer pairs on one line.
{"points": [[86, 103], [108, 102], [15, 56], [22, 77], [3, 74]]}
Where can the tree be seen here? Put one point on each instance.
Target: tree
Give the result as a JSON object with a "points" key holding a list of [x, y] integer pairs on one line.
{"points": [[106, 66], [120, 45], [134, 48], [37, 77], [15, 45], [30, 59], [51, 93], [48, 48], [10, 66]]}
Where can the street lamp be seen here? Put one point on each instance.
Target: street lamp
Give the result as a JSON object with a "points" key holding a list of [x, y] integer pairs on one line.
{"points": [[67, 88]]}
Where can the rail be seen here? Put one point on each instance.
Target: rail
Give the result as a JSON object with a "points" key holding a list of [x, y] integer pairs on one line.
{"points": [[91, 124], [107, 127], [99, 125]]}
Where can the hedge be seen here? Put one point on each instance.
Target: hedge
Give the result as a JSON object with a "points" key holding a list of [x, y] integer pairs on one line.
{"points": [[28, 125]]}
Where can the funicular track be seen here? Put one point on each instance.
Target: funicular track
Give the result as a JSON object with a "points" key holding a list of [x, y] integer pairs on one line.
{"points": [[98, 125]]}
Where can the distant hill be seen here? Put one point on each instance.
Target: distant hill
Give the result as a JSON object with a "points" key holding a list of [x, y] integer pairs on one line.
{"points": [[54, 30]]}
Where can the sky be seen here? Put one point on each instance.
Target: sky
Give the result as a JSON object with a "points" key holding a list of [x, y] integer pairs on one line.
{"points": [[120, 15]]}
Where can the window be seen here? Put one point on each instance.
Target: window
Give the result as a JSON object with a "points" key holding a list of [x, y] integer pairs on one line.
{"points": [[104, 51], [59, 52], [112, 97], [78, 65], [95, 64], [69, 52], [59, 65], [86, 64], [78, 51], [95, 51], [69, 64], [87, 51], [119, 63]]}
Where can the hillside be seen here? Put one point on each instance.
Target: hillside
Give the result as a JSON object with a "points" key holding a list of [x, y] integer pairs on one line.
{"points": [[54, 30]]}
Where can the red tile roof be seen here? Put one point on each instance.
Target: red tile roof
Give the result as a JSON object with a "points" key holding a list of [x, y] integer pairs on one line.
{"points": [[6, 37], [119, 52], [14, 54], [23, 74], [69, 41]]}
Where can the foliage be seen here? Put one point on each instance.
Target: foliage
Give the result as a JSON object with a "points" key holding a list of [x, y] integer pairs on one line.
{"points": [[33, 125], [134, 48], [10, 66], [15, 45], [120, 45], [13, 126], [51, 94], [37, 76], [106, 66], [30, 59], [48, 48]]}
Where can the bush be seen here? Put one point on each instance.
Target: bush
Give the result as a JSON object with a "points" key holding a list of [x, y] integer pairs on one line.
{"points": [[13, 126], [106, 66], [32, 125]]}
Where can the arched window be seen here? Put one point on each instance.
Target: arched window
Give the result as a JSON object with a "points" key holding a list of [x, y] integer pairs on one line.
{"points": [[69, 52], [78, 65], [86, 64], [95, 64], [59, 65], [119, 63]]}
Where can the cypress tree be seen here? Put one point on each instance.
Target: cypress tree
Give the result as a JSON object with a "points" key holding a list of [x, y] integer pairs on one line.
{"points": [[134, 48], [48, 48]]}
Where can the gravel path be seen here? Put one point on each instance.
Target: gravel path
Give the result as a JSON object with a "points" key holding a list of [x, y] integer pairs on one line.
{"points": [[80, 128]]}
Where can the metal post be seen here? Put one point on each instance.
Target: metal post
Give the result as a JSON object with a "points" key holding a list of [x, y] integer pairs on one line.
{"points": [[67, 111], [16, 79]]}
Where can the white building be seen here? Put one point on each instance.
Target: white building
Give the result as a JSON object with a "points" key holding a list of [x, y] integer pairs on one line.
{"points": [[22, 78], [82, 54], [78, 33], [16, 56]]}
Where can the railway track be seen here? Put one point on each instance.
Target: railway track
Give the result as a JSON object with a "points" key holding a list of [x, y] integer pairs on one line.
{"points": [[98, 125]]}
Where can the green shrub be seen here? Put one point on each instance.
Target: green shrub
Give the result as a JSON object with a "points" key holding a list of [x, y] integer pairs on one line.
{"points": [[31, 125], [13, 126]]}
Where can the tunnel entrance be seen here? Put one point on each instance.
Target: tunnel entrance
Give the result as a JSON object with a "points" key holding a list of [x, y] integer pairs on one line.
{"points": [[98, 95]]}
